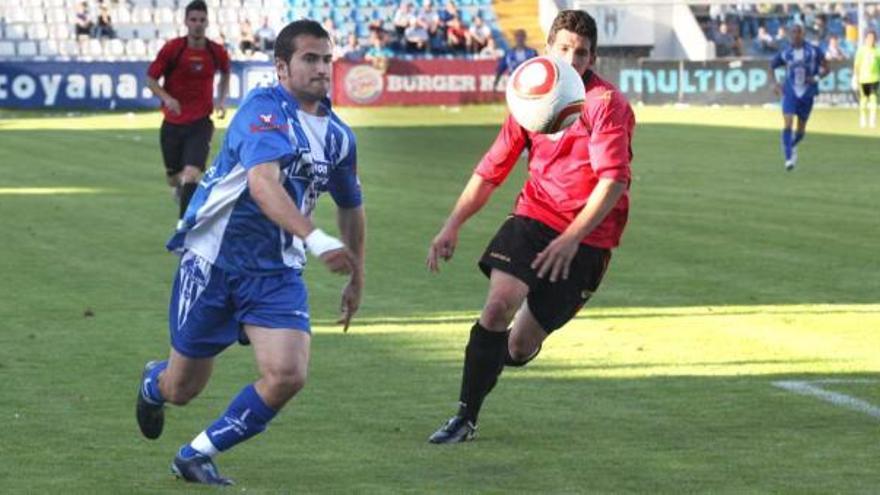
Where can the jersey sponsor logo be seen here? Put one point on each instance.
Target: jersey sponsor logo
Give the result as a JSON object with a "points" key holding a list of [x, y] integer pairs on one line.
{"points": [[267, 122]]}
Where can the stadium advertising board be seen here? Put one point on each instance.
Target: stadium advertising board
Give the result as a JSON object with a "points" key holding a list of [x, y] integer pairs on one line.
{"points": [[123, 85], [739, 82], [101, 85], [416, 82]]}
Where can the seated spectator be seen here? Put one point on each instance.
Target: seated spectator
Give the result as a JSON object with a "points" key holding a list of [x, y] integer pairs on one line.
{"points": [[265, 36], [480, 34], [402, 17], [351, 50], [834, 51], [247, 41], [780, 41], [724, 41], [104, 27], [457, 36], [84, 26], [490, 51], [416, 37], [763, 43], [330, 27], [429, 18], [378, 54]]}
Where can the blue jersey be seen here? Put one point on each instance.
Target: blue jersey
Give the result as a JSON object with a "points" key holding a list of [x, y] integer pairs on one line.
{"points": [[513, 57], [225, 226], [802, 65]]}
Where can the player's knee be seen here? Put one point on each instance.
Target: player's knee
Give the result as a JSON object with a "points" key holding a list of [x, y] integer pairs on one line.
{"points": [[497, 313], [285, 383], [520, 351]]}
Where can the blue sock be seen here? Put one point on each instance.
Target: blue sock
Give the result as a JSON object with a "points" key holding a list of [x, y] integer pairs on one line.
{"points": [[786, 143], [150, 387], [798, 136], [246, 416]]}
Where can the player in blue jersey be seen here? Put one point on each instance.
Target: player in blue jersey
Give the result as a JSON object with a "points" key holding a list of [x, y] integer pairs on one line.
{"points": [[242, 243], [804, 65], [514, 56]]}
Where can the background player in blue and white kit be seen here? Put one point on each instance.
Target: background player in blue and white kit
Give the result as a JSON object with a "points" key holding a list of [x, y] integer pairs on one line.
{"points": [[242, 243], [514, 56], [804, 65]]}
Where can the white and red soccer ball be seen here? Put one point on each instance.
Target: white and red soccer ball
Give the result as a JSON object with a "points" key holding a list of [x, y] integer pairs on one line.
{"points": [[545, 94]]}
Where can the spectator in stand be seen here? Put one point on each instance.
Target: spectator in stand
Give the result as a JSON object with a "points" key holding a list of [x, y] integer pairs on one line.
{"points": [[402, 17], [851, 32], [247, 41], [763, 43], [819, 29], [378, 54], [457, 36], [351, 50], [449, 11], [490, 51], [514, 56], [780, 41], [724, 41], [480, 34], [265, 36], [84, 26], [104, 27], [330, 27], [430, 19], [834, 51], [416, 37]]}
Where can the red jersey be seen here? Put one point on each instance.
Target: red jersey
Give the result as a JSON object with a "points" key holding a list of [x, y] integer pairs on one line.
{"points": [[564, 168], [191, 79]]}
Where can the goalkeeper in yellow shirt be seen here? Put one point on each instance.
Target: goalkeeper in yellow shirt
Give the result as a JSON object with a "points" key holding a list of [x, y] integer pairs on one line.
{"points": [[866, 76]]}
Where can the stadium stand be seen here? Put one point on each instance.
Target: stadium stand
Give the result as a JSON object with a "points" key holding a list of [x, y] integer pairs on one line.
{"points": [[759, 30], [137, 29]]}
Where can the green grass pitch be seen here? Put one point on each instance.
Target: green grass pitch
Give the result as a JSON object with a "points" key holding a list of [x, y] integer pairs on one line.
{"points": [[733, 275]]}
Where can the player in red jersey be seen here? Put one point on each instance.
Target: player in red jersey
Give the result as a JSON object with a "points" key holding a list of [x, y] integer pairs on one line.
{"points": [[187, 65], [548, 258]]}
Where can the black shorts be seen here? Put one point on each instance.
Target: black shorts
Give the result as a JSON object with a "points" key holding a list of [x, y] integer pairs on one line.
{"points": [[869, 89], [553, 304], [186, 144]]}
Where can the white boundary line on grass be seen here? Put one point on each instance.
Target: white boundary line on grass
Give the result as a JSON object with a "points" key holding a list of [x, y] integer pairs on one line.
{"points": [[808, 387]]}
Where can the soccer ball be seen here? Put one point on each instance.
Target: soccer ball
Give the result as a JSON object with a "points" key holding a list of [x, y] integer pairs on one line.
{"points": [[545, 94]]}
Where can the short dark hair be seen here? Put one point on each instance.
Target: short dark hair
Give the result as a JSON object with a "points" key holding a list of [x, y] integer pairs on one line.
{"points": [[285, 43], [576, 21], [197, 5]]}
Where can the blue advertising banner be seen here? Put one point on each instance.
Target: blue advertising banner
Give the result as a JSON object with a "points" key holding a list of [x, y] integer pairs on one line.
{"points": [[736, 82], [102, 85]]}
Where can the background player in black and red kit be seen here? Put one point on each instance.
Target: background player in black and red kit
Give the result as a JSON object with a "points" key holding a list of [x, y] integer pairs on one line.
{"points": [[188, 65], [548, 257]]}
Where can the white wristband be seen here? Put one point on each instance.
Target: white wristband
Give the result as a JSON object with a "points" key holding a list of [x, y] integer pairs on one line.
{"points": [[319, 243]]}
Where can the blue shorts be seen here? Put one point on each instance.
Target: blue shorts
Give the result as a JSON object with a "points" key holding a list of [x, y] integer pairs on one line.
{"points": [[792, 105], [209, 306]]}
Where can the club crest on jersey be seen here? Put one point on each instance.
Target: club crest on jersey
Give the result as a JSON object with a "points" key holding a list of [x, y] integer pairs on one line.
{"points": [[267, 122]]}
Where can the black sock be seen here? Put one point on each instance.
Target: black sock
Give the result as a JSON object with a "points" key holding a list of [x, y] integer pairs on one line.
{"points": [[483, 362], [187, 189]]}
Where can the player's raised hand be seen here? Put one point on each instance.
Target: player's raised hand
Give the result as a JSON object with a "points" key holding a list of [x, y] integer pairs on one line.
{"points": [[442, 247], [339, 261], [555, 259], [351, 301]]}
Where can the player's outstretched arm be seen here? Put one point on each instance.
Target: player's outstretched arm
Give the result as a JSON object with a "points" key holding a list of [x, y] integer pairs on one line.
{"points": [[353, 226], [555, 260], [265, 187], [474, 196]]}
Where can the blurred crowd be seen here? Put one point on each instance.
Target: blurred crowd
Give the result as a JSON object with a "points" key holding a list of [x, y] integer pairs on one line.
{"points": [[760, 30]]}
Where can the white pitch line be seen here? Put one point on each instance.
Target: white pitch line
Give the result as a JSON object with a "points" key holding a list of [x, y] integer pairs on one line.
{"points": [[806, 387]]}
